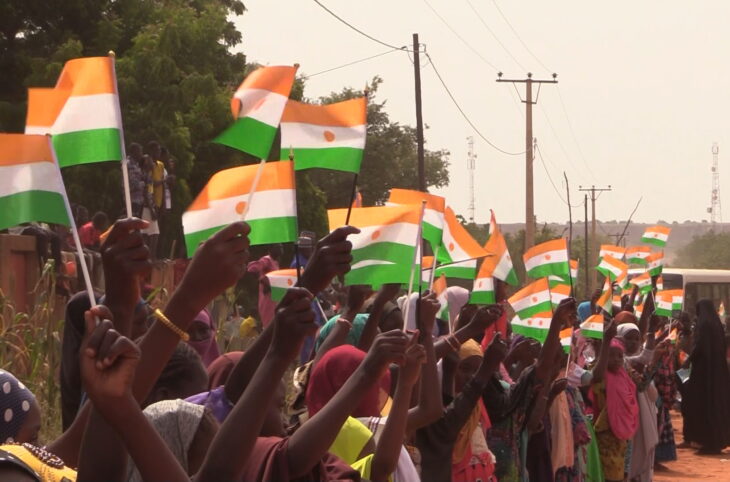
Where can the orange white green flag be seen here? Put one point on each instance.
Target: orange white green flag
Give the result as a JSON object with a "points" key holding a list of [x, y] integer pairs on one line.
{"points": [[81, 112], [566, 338], [612, 268], [384, 250], [439, 287], [573, 274], [558, 292], [330, 136], [532, 299], [535, 326], [257, 107], [549, 258], [497, 246], [271, 211], [642, 282], [592, 327], [605, 301], [611, 250], [31, 187], [637, 254], [656, 235], [482, 292], [663, 301], [280, 281], [655, 263], [433, 215], [456, 242]]}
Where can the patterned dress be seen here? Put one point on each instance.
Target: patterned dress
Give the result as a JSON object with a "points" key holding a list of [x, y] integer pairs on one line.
{"points": [[666, 385]]}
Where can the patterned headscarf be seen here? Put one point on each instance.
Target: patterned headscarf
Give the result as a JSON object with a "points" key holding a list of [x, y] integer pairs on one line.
{"points": [[15, 403]]}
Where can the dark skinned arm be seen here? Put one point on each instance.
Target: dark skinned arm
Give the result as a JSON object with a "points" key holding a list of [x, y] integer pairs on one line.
{"points": [[599, 372], [471, 323], [386, 293]]}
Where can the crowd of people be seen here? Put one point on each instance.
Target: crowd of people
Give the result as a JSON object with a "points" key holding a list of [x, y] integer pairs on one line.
{"points": [[147, 394]]}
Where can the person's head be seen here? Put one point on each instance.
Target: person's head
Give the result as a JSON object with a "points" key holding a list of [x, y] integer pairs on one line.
{"points": [[456, 297], [470, 357], [630, 336], [274, 425], [164, 155], [100, 221], [186, 428], [183, 376], [153, 150], [615, 356], [330, 374], [21, 415], [392, 318], [306, 245], [221, 368], [135, 151], [275, 251], [202, 337]]}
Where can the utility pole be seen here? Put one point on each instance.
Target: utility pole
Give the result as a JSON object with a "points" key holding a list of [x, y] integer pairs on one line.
{"points": [[471, 166], [528, 101], [715, 208], [586, 265], [594, 248], [419, 114]]}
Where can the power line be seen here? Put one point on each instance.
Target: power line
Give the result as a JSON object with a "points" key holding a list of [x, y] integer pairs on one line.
{"points": [[555, 188], [560, 143], [358, 30], [518, 35], [354, 62], [468, 45], [572, 133], [463, 114], [483, 22]]}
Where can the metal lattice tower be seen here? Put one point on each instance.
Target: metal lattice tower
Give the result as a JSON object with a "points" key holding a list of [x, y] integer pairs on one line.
{"points": [[470, 166], [715, 209]]}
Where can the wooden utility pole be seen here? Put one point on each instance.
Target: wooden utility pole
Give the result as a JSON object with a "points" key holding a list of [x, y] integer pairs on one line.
{"points": [[594, 248], [419, 115], [529, 198], [586, 265]]}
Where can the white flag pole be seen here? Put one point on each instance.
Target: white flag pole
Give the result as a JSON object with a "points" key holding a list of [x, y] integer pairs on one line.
{"points": [[74, 231], [125, 161], [255, 184], [413, 266], [433, 267]]}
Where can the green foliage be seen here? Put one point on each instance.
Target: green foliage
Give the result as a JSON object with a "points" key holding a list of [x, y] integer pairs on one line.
{"points": [[711, 251], [389, 161]]}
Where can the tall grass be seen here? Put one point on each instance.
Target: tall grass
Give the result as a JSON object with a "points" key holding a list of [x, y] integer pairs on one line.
{"points": [[30, 347]]}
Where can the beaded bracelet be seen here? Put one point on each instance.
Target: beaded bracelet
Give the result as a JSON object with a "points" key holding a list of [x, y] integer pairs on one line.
{"points": [[172, 326]]}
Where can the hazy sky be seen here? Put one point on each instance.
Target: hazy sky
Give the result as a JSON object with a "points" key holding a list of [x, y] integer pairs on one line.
{"points": [[646, 88]]}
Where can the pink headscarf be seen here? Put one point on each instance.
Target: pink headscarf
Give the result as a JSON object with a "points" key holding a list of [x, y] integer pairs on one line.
{"points": [[207, 349], [621, 404]]}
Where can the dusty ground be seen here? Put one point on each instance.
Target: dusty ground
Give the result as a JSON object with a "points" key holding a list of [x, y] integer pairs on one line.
{"points": [[690, 466]]}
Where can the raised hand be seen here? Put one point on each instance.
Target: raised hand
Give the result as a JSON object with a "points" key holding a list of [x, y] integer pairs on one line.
{"points": [[294, 321], [356, 296], [566, 313], [558, 387], [428, 308], [217, 264], [332, 257], [496, 351], [389, 347], [415, 357], [484, 317], [108, 362]]}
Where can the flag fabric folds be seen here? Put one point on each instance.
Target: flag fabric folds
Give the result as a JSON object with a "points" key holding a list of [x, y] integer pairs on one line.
{"points": [[612, 268], [502, 268], [81, 112], [272, 214], [456, 242], [257, 107], [384, 249], [643, 282], [611, 250], [549, 258], [656, 235], [655, 263], [605, 301], [532, 299], [566, 338], [31, 188], [330, 136], [439, 288], [433, 216], [637, 254], [592, 327], [281, 280]]}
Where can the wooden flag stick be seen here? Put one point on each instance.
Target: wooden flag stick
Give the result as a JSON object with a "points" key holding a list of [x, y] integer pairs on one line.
{"points": [[255, 184], [416, 255], [352, 198], [74, 231], [125, 161]]}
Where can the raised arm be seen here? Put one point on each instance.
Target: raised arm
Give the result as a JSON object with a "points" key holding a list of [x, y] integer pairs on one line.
{"points": [[471, 323], [564, 315], [229, 452], [386, 293], [599, 372]]}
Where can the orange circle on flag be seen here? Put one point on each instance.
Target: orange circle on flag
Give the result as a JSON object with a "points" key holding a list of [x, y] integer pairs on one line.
{"points": [[289, 282], [547, 257], [329, 136], [451, 246], [479, 285], [240, 207], [534, 299], [529, 321], [375, 235]]}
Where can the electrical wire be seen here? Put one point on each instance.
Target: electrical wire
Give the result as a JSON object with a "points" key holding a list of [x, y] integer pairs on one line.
{"points": [[572, 133], [468, 45], [404, 47], [560, 143], [463, 114], [353, 62], [555, 188], [483, 22], [504, 17]]}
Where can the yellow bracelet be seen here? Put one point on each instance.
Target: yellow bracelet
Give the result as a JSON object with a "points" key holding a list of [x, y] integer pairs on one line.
{"points": [[172, 326]]}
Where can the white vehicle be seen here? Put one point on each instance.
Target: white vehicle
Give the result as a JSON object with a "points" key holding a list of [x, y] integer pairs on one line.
{"points": [[713, 284]]}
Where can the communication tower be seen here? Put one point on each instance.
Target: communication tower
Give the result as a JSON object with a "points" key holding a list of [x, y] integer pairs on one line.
{"points": [[715, 209], [470, 166]]}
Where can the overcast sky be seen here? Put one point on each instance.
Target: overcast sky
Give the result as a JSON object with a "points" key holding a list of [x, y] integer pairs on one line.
{"points": [[645, 85]]}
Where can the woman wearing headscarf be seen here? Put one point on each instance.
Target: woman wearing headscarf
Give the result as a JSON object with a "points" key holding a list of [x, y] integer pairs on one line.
{"points": [[21, 416], [706, 395], [616, 411], [221, 368], [202, 333]]}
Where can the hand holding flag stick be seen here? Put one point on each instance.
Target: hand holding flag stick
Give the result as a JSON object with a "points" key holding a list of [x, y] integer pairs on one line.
{"points": [[416, 263]]}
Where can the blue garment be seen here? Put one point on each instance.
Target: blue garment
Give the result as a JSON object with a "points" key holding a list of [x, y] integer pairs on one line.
{"points": [[353, 337], [584, 310], [302, 261]]}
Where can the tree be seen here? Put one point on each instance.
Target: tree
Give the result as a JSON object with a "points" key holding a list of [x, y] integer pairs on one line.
{"points": [[711, 251], [389, 161]]}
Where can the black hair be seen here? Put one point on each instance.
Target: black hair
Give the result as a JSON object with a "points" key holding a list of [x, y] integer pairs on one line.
{"points": [[182, 364]]}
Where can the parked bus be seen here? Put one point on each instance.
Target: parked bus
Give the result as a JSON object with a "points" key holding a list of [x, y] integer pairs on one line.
{"points": [[713, 284]]}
